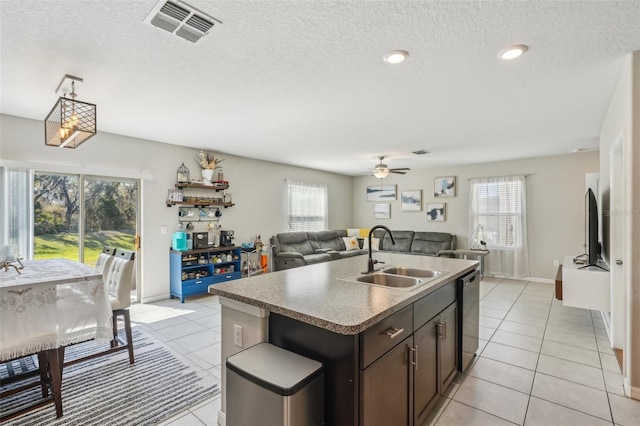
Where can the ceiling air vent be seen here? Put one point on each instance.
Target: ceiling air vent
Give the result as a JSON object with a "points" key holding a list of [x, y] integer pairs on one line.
{"points": [[180, 19]]}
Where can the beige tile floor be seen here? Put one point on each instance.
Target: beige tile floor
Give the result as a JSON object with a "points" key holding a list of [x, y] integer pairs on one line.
{"points": [[539, 362]]}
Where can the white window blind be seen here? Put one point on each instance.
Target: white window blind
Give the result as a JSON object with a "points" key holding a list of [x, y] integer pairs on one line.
{"points": [[307, 206], [497, 205]]}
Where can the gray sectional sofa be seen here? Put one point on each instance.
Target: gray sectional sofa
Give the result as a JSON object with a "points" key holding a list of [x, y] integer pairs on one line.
{"points": [[294, 249]]}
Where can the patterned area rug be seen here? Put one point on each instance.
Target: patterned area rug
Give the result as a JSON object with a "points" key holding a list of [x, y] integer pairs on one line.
{"points": [[109, 391]]}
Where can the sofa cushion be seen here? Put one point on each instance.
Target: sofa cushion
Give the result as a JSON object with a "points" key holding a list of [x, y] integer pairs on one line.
{"points": [[351, 243], [317, 258], [431, 242], [403, 240], [330, 240], [351, 253], [375, 244], [295, 242]]}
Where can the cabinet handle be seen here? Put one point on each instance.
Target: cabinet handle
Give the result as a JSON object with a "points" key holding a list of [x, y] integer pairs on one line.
{"points": [[445, 331], [440, 330], [393, 332], [415, 357]]}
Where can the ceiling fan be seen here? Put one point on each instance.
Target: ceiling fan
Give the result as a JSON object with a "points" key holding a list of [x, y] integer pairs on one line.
{"points": [[381, 170]]}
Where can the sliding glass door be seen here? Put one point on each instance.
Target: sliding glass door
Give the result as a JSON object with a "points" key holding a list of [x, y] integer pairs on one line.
{"points": [[77, 224], [110, 215], [56, 216]]}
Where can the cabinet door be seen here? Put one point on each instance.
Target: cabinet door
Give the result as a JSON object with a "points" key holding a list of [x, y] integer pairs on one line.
{"points": [[448, 345], [426, 369], [385, 388]]}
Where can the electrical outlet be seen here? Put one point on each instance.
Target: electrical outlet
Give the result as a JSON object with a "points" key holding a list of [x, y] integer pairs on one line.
{"points": [[237, 335], [163, 230], [556, 262]]}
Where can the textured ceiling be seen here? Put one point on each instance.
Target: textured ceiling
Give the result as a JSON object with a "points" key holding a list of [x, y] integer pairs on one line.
{"points": [[303, 82]]}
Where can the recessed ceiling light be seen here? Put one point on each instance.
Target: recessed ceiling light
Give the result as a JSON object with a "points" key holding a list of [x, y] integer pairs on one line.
{"points": [[512, 52], [395, 56]]}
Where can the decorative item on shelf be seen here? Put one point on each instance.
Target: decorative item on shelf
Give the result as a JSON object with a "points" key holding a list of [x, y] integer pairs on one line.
{"points": [[220, 175], [479, 239], [208, 162], [207, 176], [70, 122], [183, 175], [175, 195]]}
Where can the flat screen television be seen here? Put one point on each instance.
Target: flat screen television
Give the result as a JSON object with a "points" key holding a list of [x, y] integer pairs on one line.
{"points": [[592, 249]]}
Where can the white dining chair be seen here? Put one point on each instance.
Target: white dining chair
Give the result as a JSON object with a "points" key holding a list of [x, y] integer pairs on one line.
{"points": [[119, 281], [104, 260]]}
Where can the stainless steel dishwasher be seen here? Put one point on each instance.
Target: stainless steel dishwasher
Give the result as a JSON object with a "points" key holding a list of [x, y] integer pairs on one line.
{"points": [[468, 292]]}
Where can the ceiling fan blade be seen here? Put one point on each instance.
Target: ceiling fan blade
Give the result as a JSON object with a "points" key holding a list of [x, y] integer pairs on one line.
{"points": [[397, 172], [401, 168]]}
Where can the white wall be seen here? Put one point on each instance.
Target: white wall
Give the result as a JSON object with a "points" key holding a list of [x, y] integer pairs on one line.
{"points": [[257, 187], [555, 204], [623, 117]]}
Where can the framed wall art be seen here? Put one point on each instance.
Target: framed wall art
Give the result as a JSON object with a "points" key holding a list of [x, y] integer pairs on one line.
{"points": [[381, 193], [411, 201], [382, 211], [436, 212], [444, 186]]}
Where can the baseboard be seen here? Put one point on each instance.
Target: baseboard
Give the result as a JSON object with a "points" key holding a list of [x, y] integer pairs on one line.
{"points": [[222, 419], [154, 298], [532, 279], [540, 280]]}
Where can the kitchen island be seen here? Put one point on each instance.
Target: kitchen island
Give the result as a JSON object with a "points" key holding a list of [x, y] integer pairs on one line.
{"points": [[356, 330]]}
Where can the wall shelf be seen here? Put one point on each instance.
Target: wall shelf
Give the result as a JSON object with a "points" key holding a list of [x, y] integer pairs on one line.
{"points": [[199, 204], [216, 186], [198, 201]]}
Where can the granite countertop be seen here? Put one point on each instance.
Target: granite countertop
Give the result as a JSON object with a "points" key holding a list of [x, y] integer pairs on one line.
{"points": [[317, 294]]}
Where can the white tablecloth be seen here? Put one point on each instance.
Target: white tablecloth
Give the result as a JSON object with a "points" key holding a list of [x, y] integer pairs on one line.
{"points": [[52, 303]]}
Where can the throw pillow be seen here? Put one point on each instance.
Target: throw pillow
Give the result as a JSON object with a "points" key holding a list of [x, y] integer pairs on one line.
{"points": [[375, 244], [353, 232], [351, 243]]}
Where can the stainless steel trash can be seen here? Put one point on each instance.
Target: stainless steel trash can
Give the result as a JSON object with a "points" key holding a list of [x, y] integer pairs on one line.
{"points": [[267, 385]]}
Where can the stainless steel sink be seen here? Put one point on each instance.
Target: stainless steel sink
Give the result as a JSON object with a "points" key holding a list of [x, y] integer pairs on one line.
{"points": [[396, 277], [389, 280], [413, 272]]}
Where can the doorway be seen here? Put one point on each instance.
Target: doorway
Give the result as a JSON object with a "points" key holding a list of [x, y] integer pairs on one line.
{"points": [[618, 231]]}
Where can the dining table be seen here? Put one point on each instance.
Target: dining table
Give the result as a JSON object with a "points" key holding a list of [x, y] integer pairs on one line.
{"points": [[50, 304]]}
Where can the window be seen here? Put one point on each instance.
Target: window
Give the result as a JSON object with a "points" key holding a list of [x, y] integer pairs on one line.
{"points": [[497, 206], [307, 206], [16, 210]]}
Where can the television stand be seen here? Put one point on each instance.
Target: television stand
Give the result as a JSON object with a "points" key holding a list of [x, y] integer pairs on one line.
{"points": [[586, 286], [596, 265]]}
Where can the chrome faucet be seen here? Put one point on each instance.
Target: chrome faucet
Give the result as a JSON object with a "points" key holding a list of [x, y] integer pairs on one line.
{"points": [[372, 262]]}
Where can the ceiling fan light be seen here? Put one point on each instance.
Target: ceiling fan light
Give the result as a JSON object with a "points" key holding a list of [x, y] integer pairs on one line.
{"points": [[381, 173]]}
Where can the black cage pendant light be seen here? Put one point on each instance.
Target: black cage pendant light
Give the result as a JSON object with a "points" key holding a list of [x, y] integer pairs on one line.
{"points": [[70, 122]]}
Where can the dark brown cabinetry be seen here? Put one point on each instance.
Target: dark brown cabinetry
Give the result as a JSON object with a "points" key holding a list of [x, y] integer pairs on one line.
{"points": [[385, 388], [436, 354], [393, 373]]}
